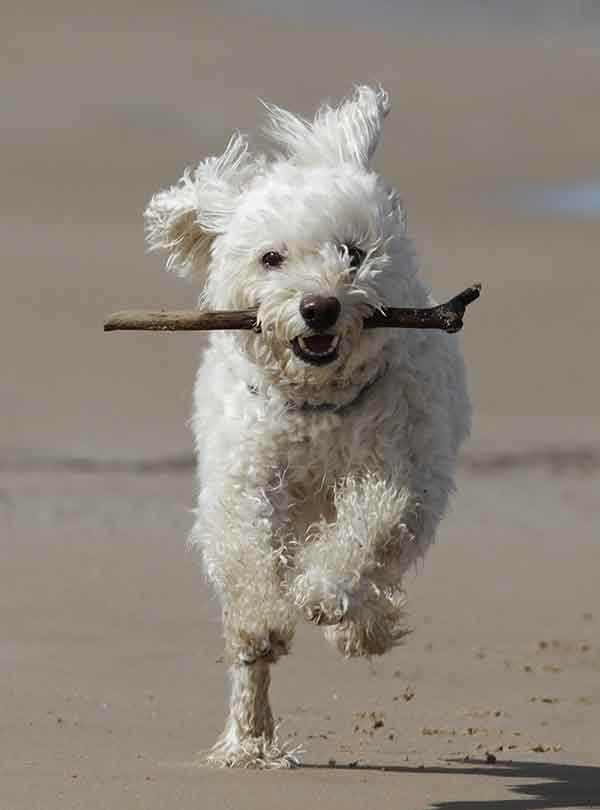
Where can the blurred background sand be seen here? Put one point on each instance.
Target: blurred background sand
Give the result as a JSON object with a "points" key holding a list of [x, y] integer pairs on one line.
{"points": [[105, 105], [102, 106]]}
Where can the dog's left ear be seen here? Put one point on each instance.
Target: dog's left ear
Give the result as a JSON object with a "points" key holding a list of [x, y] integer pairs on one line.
{"points": [[345, 134], [185, 219]]}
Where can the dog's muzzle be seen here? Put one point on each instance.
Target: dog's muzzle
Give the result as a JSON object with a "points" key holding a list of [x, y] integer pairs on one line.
{"points": [[319, 313]]}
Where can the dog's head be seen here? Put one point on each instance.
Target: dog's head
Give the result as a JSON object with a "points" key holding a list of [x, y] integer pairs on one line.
{"points": [[313, 237]]}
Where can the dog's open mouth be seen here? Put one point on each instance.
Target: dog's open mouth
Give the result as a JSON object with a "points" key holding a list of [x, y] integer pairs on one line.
{"points": [[316, 349]]}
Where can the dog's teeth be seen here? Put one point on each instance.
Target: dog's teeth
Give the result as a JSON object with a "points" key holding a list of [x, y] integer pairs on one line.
{"points": [[332, 347]]}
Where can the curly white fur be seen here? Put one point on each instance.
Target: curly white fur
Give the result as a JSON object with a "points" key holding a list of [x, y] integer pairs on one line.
{"points": [[320, 485]]}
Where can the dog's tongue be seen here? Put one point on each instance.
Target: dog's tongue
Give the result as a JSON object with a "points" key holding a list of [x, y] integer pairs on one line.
{"points": [[319, 343]]}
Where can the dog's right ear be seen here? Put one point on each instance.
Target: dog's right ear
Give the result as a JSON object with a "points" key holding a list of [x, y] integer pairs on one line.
{"points": [[185, 219], [348, 133]]}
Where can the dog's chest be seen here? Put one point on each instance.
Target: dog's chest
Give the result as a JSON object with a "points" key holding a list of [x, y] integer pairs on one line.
{"points": [[319, 448], [260, 438]]}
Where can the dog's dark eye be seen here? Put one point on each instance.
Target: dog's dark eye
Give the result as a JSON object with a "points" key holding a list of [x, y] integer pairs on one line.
{"points": [[356, 255], [272, 259]]}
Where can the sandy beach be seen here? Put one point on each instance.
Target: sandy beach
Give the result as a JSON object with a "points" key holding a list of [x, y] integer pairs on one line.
{"points": [[110, 648]]}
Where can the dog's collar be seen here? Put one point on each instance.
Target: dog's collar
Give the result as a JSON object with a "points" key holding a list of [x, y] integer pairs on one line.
{"points": [[331, 407]]}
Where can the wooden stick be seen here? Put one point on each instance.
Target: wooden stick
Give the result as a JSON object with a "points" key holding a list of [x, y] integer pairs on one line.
{"points": [[448, 317], [165, 321]]}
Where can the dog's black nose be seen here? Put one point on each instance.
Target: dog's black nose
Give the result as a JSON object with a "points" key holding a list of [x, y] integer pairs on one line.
{"points": [[320, 312]]}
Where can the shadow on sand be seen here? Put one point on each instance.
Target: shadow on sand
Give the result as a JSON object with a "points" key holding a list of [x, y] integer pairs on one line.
{"points": [[558, 786]]}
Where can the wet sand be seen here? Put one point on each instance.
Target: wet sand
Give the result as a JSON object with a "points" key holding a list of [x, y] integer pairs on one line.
{"points": [[113, 678], [110, 641]]}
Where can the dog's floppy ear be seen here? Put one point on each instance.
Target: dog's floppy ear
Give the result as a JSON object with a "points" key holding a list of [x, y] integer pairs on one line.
{"points": [[184, 219], [345, 134]]}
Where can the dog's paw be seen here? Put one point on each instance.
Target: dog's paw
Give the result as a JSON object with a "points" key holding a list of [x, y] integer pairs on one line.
{"points": [[373, 625], [374, 637], [327, 611], [249, 647], [251, 752]]}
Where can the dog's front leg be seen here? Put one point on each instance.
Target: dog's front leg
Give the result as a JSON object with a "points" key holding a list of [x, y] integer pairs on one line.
{"points": [[249, 739], [243, 531], [243, 536], [350, 575]]}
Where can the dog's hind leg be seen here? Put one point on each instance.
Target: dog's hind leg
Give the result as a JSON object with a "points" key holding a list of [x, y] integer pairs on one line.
{"points": [[249, 739]]}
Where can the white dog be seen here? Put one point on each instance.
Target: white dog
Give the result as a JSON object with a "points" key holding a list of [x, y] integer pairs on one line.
{"points": [[326, 453]]}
